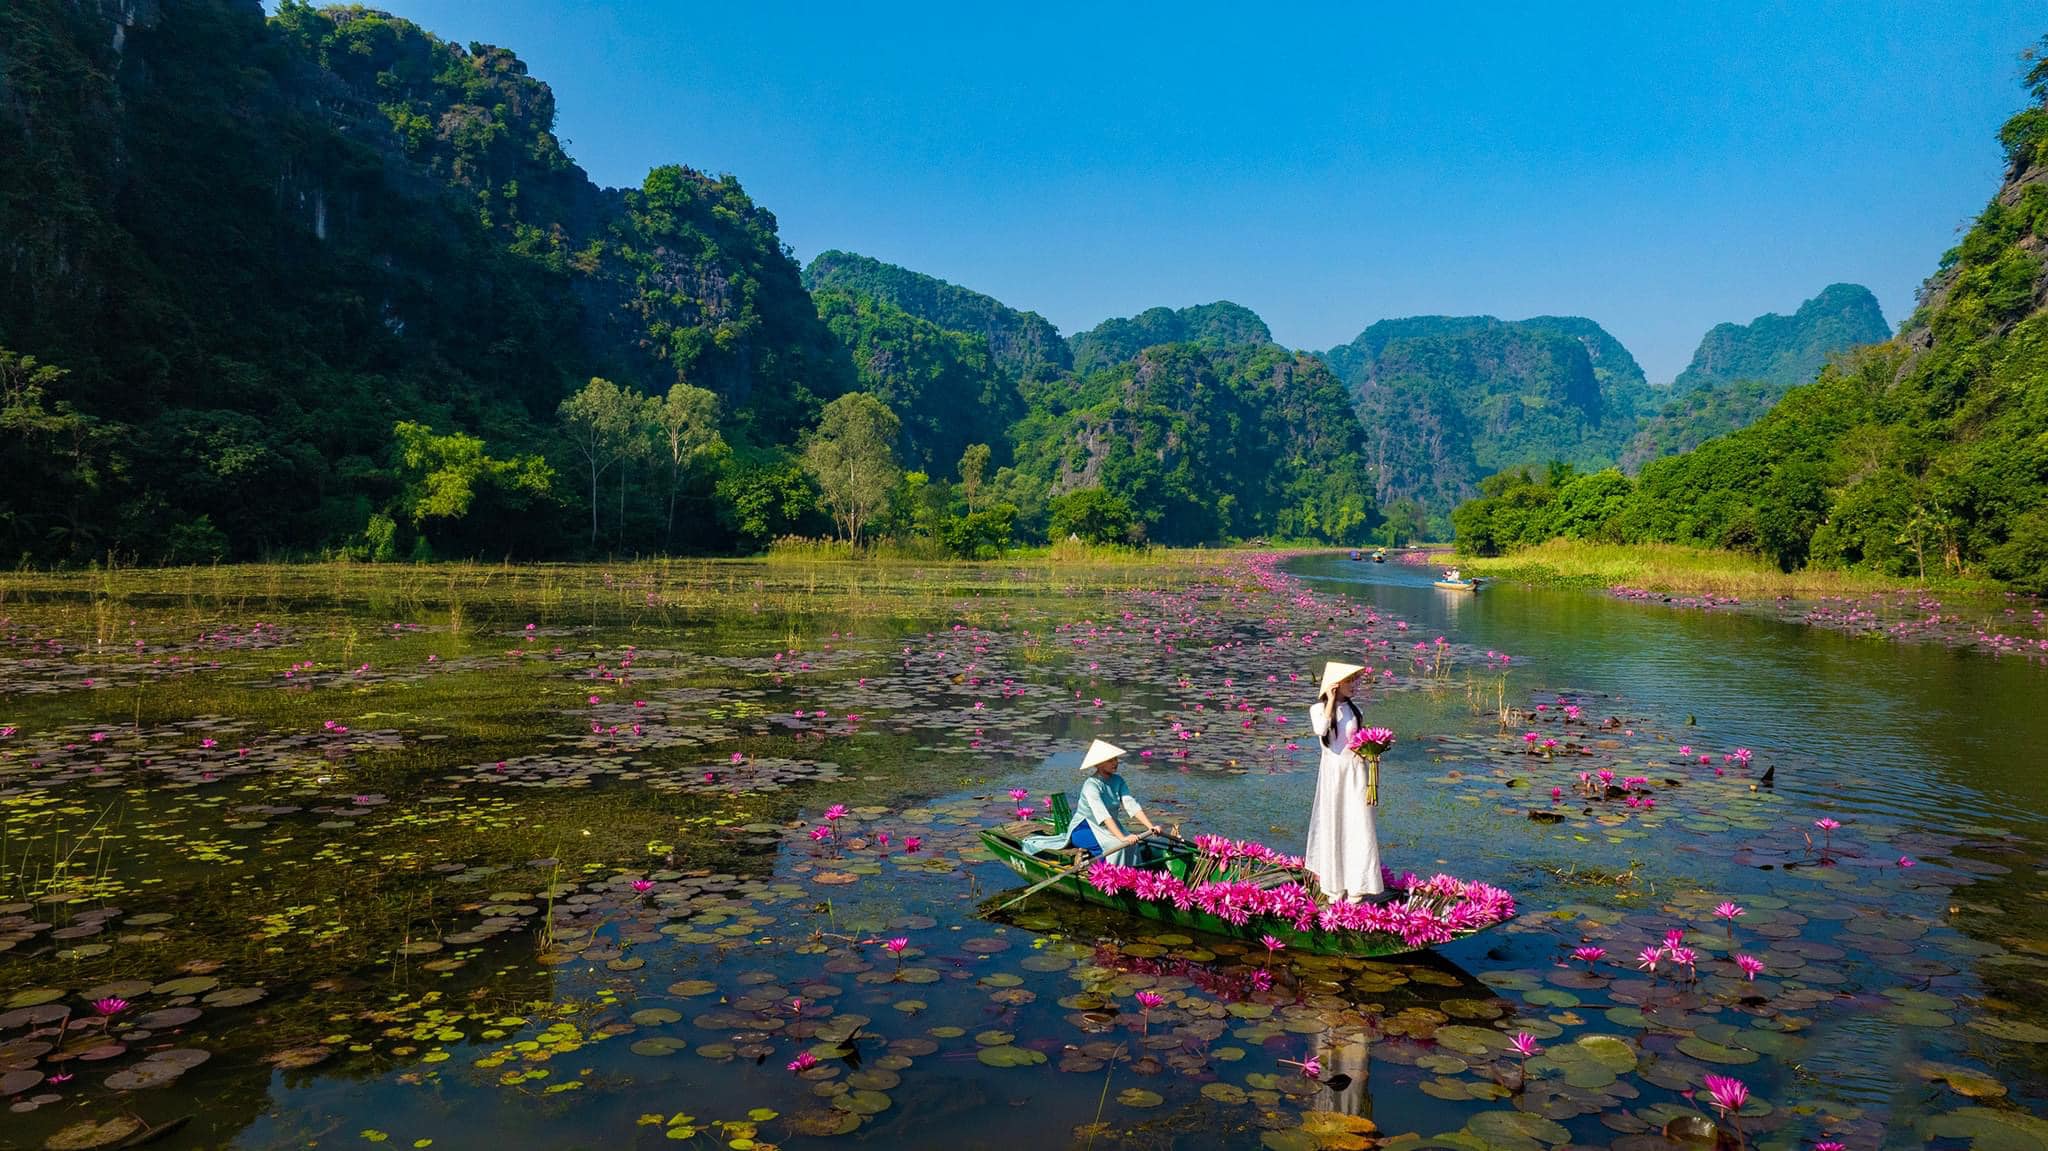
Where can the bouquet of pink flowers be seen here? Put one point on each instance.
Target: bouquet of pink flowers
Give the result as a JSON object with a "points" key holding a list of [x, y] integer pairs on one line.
{"points": [[1372, 742]]}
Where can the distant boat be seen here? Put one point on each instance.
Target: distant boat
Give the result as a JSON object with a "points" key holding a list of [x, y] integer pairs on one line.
{"points": [[1354, 555], [1457, 584], [1380, 556]]}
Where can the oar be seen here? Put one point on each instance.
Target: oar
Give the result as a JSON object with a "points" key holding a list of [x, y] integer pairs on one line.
{"points": [[1049, 880]]}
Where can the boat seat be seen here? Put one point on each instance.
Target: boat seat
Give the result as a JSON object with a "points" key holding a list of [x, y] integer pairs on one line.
{"points": [[1062, 812]]}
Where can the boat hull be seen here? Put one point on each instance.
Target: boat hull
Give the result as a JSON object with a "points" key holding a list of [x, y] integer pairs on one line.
{"points": [[1460, 585], [1076, 886]]}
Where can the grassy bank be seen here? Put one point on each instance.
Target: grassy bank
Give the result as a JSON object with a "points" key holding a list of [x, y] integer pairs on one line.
{"points": [[1673, 568]]}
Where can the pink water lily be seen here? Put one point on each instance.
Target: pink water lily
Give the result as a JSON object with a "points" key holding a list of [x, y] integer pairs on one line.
{"points": [[1728, 911], [1751, 966], [1649, 958], [1589, 955], [1526, 1044], [836, 812], [643, 886], [110, 1006], [896, 946], [1727, 1093], [803, 1062]]}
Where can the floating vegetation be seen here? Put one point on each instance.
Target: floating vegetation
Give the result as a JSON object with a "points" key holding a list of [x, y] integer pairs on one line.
{"points": [[708, 841]]}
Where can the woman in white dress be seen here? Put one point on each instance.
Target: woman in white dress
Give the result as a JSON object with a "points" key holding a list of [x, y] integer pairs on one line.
{"points": [[1343, 846]]}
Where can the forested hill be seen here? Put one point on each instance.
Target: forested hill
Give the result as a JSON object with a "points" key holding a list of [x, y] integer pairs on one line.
{"points": [[249, 248], [1925, 453], [1449, 399], [1741, 370], [1786, 350], [1221, 324], [326, 284], [1023, 343]]}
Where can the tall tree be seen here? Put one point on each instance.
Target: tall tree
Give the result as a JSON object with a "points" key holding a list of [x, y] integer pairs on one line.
{"points": [[852, 458], [973, 472], [687, 419], [602, 422]]}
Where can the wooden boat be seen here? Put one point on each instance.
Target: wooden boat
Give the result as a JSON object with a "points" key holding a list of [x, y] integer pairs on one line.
{"points": [[1457, 585], [1004, 843]]}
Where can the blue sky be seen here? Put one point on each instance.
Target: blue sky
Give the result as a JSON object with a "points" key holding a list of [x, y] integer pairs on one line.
{"points": [[1327, 166]]}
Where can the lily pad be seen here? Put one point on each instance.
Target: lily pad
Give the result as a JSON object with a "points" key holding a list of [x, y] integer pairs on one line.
{"points": [[1139, 1097], [84, 1136], [1008, 1056]]}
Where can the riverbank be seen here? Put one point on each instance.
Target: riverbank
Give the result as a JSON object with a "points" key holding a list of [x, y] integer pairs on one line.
{"points": [[1683, 570]]}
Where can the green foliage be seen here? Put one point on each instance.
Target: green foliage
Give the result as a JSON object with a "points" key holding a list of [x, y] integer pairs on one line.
{"points": [[852, 458], [942, 385], [1024, 344], [449, 476], [1093, 516], [1926, 455], [1204, 444], [256, 245], [1218, 325], [763, 495], [1783, 351], [1448, 399]]}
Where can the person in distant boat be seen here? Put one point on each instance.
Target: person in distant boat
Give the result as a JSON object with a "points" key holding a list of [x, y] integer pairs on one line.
{"points": [[1343, 843], [1451, 574], [1110, 821]]}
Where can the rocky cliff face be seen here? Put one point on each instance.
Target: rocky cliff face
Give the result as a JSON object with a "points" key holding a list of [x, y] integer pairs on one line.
{"points": [[1449, 399]]}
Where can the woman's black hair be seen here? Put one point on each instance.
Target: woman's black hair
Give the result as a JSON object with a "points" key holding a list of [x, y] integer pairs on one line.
{"points": [[1357, 717]]}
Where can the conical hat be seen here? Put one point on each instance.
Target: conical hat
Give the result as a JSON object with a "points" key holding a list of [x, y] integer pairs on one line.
{"points": [[1335, 673], [1101, 751]]}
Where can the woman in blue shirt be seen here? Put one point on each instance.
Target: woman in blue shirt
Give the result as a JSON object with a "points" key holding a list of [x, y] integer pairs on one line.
{"points": [[1109, 818]]}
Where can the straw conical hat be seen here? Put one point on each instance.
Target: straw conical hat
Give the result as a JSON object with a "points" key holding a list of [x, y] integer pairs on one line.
{"points": [[1335, 673], [1101, 751]]}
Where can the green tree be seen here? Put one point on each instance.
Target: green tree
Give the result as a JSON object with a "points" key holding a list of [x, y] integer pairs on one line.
{"points": [[687, 420], [445, 474], [1093, 515], [762, 494], [852, 458], [973, 472], [602, 422]]}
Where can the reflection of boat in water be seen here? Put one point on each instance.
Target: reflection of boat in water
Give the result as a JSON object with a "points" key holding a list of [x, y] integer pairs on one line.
{"points": [[1458, 584], [1005, 843]]}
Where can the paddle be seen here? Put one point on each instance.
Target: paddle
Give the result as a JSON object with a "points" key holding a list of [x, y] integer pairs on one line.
{"points": [[1076, 869]]}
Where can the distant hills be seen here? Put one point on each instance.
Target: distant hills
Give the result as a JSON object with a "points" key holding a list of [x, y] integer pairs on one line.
{"points": [[1022, 343], [1741, 370], [242, 251], [1922, 455], [1449, 399], [1784, 351], [1221, 324]]}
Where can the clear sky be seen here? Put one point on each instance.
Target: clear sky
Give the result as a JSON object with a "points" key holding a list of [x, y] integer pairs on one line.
{"points": [[1657, 170]]}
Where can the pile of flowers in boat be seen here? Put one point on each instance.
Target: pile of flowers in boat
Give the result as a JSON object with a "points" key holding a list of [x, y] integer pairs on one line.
{"points": [[1233, 880]]}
